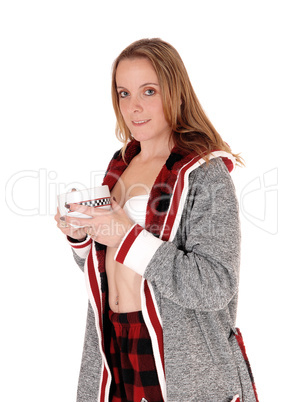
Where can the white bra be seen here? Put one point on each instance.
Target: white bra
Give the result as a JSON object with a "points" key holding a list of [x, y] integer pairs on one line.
{"points": [[135, 208]]}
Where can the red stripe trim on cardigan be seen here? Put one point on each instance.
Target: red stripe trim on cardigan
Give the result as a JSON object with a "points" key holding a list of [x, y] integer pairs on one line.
{"points": [[228, 162], [103, 385], [127, 242], [240, 341], [155, 322], [94, 286], [171, 216], [177, 192], [96, 295], [76, 245]]}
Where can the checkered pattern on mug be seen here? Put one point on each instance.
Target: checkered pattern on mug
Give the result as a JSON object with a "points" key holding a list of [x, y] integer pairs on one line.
{"points": [[97, 202]]}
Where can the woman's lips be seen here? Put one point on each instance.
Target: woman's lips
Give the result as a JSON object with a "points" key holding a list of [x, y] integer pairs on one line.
{"points": [[139, 123]]}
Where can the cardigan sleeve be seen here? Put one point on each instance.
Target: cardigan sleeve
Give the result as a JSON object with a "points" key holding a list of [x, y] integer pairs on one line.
{"points": [[80, 250], [199, 269]]}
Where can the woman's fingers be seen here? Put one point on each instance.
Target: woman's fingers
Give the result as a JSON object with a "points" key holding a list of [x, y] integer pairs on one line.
{"points": [[105, 226], [67, 229], [81, 222]]}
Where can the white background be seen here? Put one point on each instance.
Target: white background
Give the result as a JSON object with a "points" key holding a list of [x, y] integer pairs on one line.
{"points": [[57, 131]]}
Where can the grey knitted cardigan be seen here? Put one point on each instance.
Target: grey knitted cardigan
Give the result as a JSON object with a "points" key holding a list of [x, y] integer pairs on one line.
{"points": [[188, 256]]}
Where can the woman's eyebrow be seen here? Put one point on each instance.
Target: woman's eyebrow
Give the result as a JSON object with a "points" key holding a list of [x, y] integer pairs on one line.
{"points": [[141, 86], [148, 83]]}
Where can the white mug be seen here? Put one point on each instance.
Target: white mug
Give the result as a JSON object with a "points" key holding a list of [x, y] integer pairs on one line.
{"points": [[97, 197]]}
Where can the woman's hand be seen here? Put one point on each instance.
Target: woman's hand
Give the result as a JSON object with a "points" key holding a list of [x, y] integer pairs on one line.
{"points": [[74, 233], [107, 227]]}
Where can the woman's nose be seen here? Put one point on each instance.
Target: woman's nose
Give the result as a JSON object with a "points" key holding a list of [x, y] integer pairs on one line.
{"points": [[135, 104]]}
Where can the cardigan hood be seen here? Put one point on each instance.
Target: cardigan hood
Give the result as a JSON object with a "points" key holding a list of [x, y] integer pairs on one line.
{"points": [[168, 182]]}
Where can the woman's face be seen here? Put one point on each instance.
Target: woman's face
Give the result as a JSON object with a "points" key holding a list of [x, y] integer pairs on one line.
{"points": [[140, 100]]}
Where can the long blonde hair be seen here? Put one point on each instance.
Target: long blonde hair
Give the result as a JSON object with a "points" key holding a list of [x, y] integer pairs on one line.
{"points": [[191, 128]]}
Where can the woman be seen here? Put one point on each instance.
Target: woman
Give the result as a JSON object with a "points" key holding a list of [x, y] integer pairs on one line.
{"points": [[162, 268]]}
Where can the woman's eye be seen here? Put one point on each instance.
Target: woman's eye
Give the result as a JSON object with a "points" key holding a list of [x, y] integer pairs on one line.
{"points": [[123, 94], [150, 92]]}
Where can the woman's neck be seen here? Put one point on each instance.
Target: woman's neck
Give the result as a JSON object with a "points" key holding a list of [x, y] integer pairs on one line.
{"points": [[156, 150]]}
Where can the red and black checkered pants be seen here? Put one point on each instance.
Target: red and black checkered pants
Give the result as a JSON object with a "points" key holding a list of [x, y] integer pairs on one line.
{"points": [[133, 366]]}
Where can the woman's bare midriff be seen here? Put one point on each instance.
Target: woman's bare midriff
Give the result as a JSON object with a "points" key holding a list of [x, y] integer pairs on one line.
{"points": [[123, 284]]}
